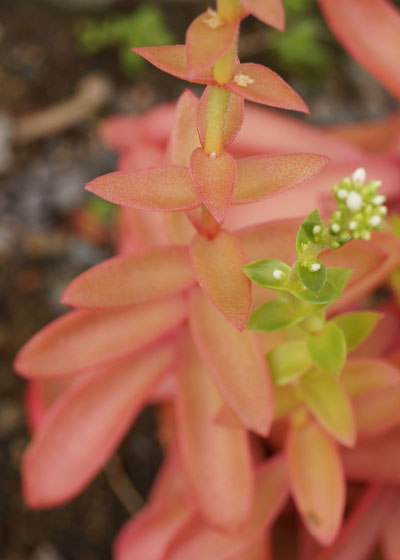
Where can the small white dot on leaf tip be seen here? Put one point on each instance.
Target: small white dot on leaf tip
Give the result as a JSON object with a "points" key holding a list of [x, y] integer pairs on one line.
{"points": [[314, 267], [359, 176], [212, 19], [213, 155], [316, 229], [335, 228], [277, 274], [353, 225], [243, 80], [354, 201]]}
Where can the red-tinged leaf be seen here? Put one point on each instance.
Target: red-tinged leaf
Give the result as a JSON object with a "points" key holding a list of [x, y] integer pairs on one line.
{"points": [[233, 119], [328, 402], [257, 550], [377, 412], [144, 276], [267, 88], [391, 534], [259, 177], [370, 31], [162, 189], [169, 482], [227, 418], [148, 533], [365, 375], [199, 542], [165, 391], [119, 131], [270, 12], [316, 479], [184, 138], [85, 339], [85, 426], [216, 460], [375, 459], [205, 44], [172, 59], [362, 528], [217, 263], [214, 178], [138, 229], [235, 362]]}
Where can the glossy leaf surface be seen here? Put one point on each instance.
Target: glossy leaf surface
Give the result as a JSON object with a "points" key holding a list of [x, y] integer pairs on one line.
{"points": [[328, 349], [268, 273], [273, 315], [288, 360]]}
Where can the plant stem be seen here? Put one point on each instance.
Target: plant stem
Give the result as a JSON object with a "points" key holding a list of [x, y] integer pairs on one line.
{"points": [[228, 10], [216, 112]]}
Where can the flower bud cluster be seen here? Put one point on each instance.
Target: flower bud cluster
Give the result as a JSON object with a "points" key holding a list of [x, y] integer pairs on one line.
{"points": [[361, 209]]}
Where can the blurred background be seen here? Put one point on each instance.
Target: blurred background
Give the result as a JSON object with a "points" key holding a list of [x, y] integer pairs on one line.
{"points": [[64, 66]]}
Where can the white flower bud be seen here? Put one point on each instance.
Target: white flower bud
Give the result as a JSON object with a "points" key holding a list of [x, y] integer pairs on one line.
{"points": [[354, 201], [335, 228], [375, 221], [359, 176], [342, 194]]}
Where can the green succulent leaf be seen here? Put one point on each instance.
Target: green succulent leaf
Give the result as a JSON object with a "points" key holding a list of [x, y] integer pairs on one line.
{"points": [[328, 348], [306, 233], [286, 400], [268, 273], [336, 280], [273, 315], [313, 280], [288, 360], [327, 400], [356, 326], [339, 277]]}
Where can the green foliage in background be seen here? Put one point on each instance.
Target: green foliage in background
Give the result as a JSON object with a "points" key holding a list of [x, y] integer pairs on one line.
{"points": [[304, 50], [144, 26]]}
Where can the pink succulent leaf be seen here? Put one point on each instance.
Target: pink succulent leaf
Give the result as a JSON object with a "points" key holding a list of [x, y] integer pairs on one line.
{"points": [[262, 85], [214, 177], [270, 12], [161, 189], [390, 541], [205, 44], [235, 362], [233, 119], [260, 177], [169, 482], [148, 533], [366, 375], [130, 279], [375, 459], [227, 418], [99, 408], [218, 265], [198, 541], [216, 460], [172, 59], [370, 31], [377, 412], [82, 340], [316, 479], [258, 550], [363, 527], [184, 138]]}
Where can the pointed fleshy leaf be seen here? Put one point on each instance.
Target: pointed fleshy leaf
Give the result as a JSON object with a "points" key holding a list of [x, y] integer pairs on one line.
{"points": [[260, 177], [273, 315], [378, 411], [184, 138], [257, 550], [214, 178], [356, 326], [375, 459], [198, 542], [366, 375], [216, 459], [148, 533], [268, 273], [313, 280], [270, 12], [144, 276], [329, 404], [233, 119], [172, 59], [169, 483], [362, 528], [85, 426], [266, 87], [328, 349], [218, 265], [316, 479], [288, 360], [286, 400], [81, 340], [206, 44], [306, 231], [235, 362], [163, 189], [227, 418], [391, 535], [370, 31]]}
